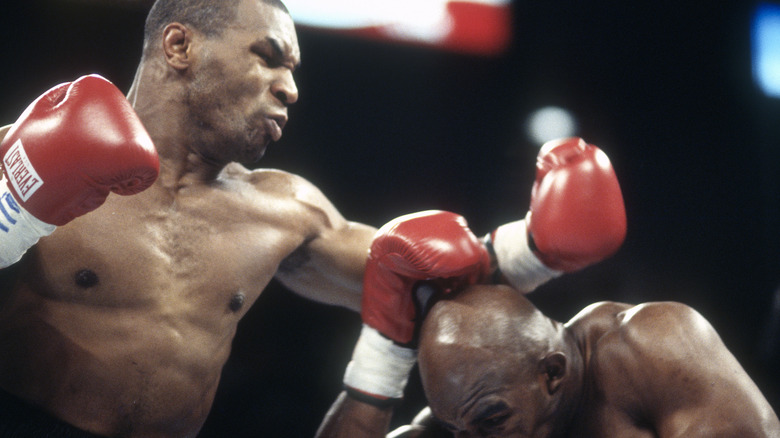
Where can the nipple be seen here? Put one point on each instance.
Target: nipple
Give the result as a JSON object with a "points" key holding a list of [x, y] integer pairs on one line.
{"points": [[86, 278], [237, 302]]}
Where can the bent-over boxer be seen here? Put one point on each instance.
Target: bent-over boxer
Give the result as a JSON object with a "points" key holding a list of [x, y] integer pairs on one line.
{"points": [[493, 365]]}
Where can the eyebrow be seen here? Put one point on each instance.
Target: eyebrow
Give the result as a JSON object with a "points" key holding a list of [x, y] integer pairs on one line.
{"points": [[488, 411], [473, 397], [278, 52]]}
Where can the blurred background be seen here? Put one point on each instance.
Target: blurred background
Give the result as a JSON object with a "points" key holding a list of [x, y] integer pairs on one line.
{"points": [[680, 96]]}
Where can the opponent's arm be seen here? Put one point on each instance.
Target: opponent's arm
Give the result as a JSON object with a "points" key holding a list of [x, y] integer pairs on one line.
{"points": [[684, 381], [361, 420], [424, 425], [349, 417], [576, 217], [68, 150]]}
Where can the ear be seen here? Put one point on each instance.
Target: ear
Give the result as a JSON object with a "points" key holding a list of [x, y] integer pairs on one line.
{"points": [[177, 45], [553, 367]]}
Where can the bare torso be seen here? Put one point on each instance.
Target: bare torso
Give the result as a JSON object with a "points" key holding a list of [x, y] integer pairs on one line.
{"points": [[602, 415], [120, 322], [660, 370]]}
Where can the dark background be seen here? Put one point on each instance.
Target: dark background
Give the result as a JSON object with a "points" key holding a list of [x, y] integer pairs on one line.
{"points": [[665, 89]]}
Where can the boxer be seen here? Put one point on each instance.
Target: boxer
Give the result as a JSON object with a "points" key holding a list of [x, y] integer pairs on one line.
{"points": [[117, 313], [492, 365], [118, 321]]}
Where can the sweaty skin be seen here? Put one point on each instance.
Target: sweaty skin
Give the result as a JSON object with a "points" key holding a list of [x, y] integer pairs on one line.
{"points": [[120, 322], [494, 366]]}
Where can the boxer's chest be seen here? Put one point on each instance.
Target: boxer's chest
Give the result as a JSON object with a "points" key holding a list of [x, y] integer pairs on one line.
{"points": [[215, 253]]}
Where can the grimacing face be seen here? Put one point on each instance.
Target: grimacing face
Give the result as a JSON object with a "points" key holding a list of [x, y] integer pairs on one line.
{"points": [[480, 370], [481, 393], [242, 84]]}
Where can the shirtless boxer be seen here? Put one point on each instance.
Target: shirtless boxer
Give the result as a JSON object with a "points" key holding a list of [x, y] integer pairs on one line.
{"points": [[118, 323], [492, 365]]}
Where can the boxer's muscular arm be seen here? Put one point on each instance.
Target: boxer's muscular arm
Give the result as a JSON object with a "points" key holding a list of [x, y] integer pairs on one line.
{"points": [[354, 419], [687, 382], [328, 267], [350, 418], [424, 425]]}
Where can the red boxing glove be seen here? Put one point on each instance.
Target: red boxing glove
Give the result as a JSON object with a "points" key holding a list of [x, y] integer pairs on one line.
{"points": [[432, 245], [72, 146], [577, 216]]}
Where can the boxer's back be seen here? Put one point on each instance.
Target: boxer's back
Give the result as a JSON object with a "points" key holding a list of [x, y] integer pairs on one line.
{"points": [[660, 369], [121, 321]]}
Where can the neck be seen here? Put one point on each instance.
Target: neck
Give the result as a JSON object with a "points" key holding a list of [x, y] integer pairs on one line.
{"points": [[572, 391], [157, 98], [576, 387]]}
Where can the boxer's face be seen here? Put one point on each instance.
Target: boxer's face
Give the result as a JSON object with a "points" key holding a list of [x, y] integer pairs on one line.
{"points": [[482, 391], [242, 83], [485, 397]]}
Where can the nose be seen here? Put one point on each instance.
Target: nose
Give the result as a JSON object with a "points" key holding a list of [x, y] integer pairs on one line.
{"points": [[284, 88]]}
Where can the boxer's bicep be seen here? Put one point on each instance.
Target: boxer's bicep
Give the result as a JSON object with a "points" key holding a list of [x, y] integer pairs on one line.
{"points": [[328, 266], [338, 259]]}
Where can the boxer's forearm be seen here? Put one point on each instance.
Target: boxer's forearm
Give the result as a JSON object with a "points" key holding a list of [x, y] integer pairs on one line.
{"points": [[350, 418]]}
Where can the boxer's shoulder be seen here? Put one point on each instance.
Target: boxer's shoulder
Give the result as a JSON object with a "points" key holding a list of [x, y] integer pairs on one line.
{"points": [[268, 181], [598, 318], [662, 319], [283, 194], [648, 338], [646, 319]]}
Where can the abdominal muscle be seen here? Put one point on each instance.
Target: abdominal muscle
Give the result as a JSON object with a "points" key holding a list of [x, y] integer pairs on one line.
{"points": [[115, 372]]}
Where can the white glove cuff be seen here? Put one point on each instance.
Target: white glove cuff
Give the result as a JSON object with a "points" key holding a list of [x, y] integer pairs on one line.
{"points": [[19, 230], [524, 271], [379, 367]]}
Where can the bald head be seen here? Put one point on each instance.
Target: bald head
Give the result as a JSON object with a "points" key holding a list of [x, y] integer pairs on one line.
{"points": [[488, 317], [484, 353]]}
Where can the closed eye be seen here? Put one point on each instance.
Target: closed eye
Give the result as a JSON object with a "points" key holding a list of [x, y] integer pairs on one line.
{"points": [[491, 418], [271, 52], [264, 54]]}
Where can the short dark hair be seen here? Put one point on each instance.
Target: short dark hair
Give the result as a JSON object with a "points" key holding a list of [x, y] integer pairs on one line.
{"points": [[207, 16]]}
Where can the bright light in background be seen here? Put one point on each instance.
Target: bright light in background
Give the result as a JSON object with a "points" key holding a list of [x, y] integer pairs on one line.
{"points": [[549, 123], [471, 26], [766, 48], [345, 14]]}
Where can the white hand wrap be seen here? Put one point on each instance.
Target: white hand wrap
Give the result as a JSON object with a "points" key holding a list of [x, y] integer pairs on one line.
{"points": [[524, 271], [19, 230], [379, 367]]}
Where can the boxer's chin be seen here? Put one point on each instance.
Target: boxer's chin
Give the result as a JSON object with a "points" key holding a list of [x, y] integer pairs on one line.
{"points": [[253, 154], [255, 147]]}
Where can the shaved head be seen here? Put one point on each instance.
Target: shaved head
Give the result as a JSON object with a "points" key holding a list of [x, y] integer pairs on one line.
{"points": [[489, 318], [483, 356], [210, 17]]}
